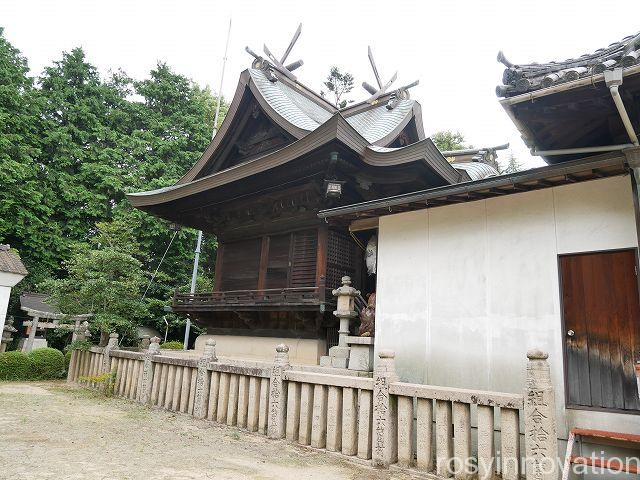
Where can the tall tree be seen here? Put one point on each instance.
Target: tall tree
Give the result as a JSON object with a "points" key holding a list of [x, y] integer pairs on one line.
{"points": [[339, 84], [71, 146], [24, 209]]}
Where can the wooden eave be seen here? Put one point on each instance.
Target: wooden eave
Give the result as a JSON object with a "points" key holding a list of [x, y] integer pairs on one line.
{"points": [[606, 165], [335, 129]]}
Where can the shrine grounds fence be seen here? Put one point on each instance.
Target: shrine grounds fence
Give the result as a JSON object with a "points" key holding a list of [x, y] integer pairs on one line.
{"points": [[448, 432]]}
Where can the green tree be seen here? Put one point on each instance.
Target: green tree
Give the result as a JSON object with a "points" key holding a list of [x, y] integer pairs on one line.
{"points": [[106, 280], [24, 210], [339, 84], [447, 140], [72, 144]]}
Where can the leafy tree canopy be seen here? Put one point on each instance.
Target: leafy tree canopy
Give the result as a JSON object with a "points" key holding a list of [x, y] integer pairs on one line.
{"points": [[447, 140], [71, 145]]}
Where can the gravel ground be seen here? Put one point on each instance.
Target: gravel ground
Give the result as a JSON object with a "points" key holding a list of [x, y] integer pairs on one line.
{"points": [[50, 430]]}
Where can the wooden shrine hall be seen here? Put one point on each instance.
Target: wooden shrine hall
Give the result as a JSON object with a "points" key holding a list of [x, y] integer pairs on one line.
{"points": [[282, 154]]}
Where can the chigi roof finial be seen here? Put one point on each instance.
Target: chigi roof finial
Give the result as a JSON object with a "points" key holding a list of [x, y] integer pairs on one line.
{"points": [[272, 62], [400, 94]]}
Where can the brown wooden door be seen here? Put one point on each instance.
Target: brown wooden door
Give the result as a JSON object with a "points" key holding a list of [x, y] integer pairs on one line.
{"points": [[601, 315]]}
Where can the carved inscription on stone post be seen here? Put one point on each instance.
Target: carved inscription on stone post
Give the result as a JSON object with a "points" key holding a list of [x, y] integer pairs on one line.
{"points": [[541, 437], [278, 394], [384, 423]]}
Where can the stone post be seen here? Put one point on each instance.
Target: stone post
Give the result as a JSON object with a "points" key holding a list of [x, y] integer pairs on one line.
{"points": [[385, 425], [541, 437], [32, 335], [111, 345], [147, 370], [278, 394], [203, 379]]}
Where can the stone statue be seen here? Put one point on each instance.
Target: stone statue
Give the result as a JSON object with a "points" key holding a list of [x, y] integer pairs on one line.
{"points": [[371, 255], [368, 317]]}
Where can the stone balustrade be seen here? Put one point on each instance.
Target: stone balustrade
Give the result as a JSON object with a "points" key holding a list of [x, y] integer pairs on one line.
{"points": [[447, 432]]}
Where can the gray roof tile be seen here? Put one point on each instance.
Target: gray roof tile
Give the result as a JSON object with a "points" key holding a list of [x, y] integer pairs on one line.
{"points": [[10, 262], [523, 78]]}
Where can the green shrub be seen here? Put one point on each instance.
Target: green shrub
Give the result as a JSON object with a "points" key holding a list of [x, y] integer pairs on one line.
{"points": [[14, 366], [47, 364], [67, 359], [174, 345]]}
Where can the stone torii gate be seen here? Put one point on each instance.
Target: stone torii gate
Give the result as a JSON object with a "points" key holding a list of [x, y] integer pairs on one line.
{"points": [[36, 306]]}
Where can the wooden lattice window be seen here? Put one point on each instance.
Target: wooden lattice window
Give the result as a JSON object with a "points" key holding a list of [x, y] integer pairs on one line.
{"points": [[340, 258], [303, 258]]}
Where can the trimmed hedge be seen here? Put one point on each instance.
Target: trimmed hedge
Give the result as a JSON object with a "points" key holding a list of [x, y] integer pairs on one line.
{"points": [[174, 345], [47, 363], [14, 366], [40, 364]]}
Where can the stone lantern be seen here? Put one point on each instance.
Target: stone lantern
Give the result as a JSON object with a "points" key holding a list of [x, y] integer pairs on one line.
{"points": [[346, 310]]}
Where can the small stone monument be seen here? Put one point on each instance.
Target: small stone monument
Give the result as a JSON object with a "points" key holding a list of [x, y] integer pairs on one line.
{"points": [[145, 341]]}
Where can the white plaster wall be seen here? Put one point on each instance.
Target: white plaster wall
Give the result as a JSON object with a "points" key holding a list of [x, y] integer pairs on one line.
{"points": [[4, 303], [7, 280], [465, 290]]}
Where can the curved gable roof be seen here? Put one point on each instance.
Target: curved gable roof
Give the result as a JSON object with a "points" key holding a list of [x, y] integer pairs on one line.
{"points": [[299, 111], [336, 128]]}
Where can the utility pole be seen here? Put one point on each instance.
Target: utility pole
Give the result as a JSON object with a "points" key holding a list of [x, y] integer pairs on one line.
{"points": [[196, 257]]}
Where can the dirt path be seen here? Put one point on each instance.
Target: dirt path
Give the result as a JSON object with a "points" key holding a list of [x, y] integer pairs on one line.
{"points": [[53, 431]]}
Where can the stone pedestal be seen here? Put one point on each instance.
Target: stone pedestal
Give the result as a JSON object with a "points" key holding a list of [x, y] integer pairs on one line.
{"points": [[23, 344], [338, 357], [360, 353]]}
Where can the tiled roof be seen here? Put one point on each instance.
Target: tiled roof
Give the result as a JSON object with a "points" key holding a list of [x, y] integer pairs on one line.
{"points": [[304, 112], [289, 104], [10, 262], [523, 78], [477, 170], [38, 301], [379, 121]]}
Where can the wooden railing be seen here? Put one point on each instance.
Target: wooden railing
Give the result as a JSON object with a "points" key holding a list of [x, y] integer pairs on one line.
{"points": [[309, 297], [423, 427]]}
